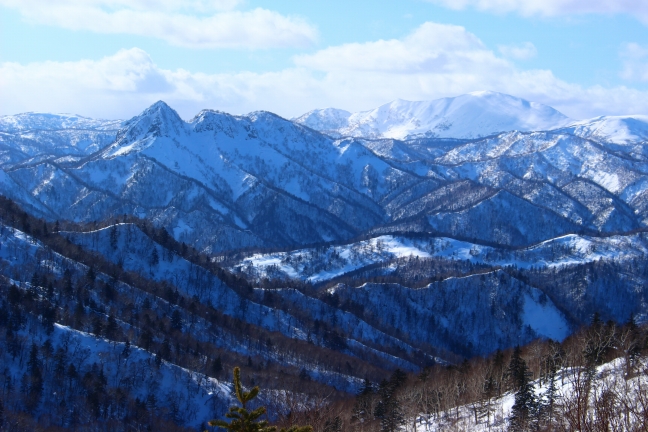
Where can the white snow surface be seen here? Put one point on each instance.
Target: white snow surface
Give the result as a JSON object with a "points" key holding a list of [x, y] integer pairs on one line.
{"points": [[47, 121], [613, 129], [317, 265], [543, 317], [471, 115]]}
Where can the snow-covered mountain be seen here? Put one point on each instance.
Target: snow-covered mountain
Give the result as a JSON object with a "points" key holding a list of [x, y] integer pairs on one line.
{"points": [[472, 115], [29, 135], [34, 121], [224, 182], [625, 130]]}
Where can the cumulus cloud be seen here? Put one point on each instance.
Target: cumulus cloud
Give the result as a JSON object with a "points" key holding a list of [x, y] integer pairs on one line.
{"points": [[431, 47], [635, 62], [637, 8], [523, 51], [194, 23], [433, 61]]}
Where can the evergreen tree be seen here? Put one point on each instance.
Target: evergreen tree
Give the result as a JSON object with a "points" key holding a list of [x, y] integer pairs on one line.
{"points": [[155, 258], [79, 314], [634, 344], [35, 281], [165, 349], [487, 394], [127, 349], [113, 237], [67, 288], [97, 326], [49, 319], [217, 366], [91, 275], [151, 402], [146, 339], [34, 363], [547, 404], [303, 375], [523, 413], [72, 374], [47, 350], [34, 379], [362, 409], [248, 421], [111, 327], [333, 425], [513, 372], [176, 320], [384, 393], [388, 409]]}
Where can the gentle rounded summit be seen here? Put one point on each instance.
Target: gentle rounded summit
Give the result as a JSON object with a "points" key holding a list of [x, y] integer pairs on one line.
{"points": [[472, 115]]}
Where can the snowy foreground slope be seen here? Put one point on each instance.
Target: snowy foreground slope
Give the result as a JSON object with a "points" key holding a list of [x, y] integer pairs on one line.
{"points": [[614, 401]]}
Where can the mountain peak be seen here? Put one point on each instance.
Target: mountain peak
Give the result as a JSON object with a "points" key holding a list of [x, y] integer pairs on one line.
{"points": [[487, 93], [157, 120], [162, 110], [471, 115], [326, 120]]}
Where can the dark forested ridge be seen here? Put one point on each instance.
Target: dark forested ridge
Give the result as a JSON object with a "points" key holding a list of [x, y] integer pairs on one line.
{"points": [[84, 326], [93, 332]]}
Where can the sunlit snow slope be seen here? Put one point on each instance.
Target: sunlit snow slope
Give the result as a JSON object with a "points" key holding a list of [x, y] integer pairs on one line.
{"points": [[472, 115]]}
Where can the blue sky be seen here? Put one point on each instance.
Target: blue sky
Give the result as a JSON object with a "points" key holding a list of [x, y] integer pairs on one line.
{"points": [[113, 58]]}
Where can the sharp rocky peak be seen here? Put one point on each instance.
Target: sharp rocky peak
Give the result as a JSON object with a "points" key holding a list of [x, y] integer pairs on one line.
{"points": [[157, 120]]}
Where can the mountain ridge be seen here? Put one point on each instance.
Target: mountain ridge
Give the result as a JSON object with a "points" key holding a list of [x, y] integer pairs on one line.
{"points": [[473, 115], [223, 171]]}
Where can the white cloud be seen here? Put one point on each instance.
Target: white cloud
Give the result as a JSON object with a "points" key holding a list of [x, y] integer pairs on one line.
{"points": [[431, 47], [637, 8], [635, 62], [521, 51], [146, 5], [194, 23], [434, 61]]}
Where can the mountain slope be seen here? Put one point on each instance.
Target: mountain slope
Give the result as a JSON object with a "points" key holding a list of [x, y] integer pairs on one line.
{"points": [[472, 115], [613, 129]]}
